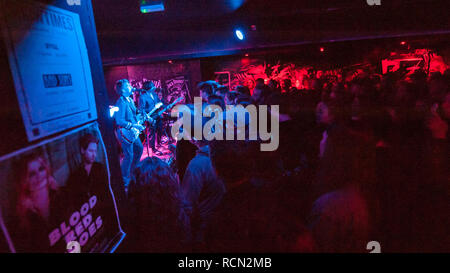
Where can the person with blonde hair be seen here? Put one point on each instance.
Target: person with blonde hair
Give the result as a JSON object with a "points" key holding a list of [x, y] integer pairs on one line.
{"points": [[37, 191]]}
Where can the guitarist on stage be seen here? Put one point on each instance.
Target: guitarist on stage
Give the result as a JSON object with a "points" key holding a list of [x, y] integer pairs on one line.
{"points": [[148, 98], [127, 120], [147, 101]]}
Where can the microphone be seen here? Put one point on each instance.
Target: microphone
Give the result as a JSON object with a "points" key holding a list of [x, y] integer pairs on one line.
{"points": [[134, 89], [140, 90]]}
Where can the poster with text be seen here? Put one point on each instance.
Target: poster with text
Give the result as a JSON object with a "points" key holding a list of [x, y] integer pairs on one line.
{"points": [[50, 66], [58, 192], [178, 87]]}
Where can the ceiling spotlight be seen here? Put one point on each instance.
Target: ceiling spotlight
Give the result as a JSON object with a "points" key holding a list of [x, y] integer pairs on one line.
{"points": [[148, 6], [403, 43], [239, 34]]}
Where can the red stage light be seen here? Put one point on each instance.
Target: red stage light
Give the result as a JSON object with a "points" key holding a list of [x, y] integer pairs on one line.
{"points": [[246, 54], [403, 43], [322, 49]]}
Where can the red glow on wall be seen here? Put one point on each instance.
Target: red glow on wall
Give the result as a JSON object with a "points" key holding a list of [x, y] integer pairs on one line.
{"points": [[245, 61]]}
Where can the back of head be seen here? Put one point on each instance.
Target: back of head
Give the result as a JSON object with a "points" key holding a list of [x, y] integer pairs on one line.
{"points": [[208, 87], [243, 90], [231, 97], [261, 94], [216, 100], [231, 160], [160, 225], [259, 83], [438, 86], [158, 186], [243, 99], [287, 84], [221, 90]]}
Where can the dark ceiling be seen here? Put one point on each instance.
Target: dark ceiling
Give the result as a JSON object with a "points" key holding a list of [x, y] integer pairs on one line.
{"points": [[198, 28]]}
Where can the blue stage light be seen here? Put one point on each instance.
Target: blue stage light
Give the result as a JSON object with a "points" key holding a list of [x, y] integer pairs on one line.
{"points": [[239, 34]]}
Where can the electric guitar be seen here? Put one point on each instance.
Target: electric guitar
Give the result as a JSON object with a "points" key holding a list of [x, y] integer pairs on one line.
{"points": [[169, 106], [130, 135]]}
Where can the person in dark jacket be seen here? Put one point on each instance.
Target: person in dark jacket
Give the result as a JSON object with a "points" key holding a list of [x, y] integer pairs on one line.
{"points": [[126, 118]]}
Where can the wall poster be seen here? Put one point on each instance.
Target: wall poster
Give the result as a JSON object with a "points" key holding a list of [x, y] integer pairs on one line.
{"points": [[50, 67], [57, 192]]}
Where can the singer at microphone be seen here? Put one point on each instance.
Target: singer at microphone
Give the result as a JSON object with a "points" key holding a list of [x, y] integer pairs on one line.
{"points": [[127, 120]]}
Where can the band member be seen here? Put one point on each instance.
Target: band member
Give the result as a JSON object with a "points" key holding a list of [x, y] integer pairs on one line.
{"points": [[147, 101], [126, 117], [160, 93], [90, 178], [148, 98]]}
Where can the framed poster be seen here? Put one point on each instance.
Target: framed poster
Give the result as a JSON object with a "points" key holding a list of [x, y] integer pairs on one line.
{"points": [[178, 87], [48, 198], [223, 78], [50, 67]]}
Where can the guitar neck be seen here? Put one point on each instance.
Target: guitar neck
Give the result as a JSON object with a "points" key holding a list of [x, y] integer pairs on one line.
{"points": [[169, 106]]}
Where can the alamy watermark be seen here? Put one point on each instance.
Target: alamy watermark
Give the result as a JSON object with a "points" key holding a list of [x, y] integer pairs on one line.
{"points": [[73, 247], [373, 2], [374, 247], [239, 121]]}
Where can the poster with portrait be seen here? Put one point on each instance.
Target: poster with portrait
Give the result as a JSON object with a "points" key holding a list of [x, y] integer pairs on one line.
{"points": [[57, 192], [178, 87], [50, 67]]}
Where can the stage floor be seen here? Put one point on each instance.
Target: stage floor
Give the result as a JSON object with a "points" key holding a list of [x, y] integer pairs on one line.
{"points": [[166, 153]]}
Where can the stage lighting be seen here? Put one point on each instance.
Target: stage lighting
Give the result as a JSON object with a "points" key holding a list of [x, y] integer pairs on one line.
{"points": [[148, 6], [239, 34], [112, 110]]}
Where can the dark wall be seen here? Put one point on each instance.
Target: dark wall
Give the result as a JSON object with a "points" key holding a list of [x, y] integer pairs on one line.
{"points": [[112, 74]]}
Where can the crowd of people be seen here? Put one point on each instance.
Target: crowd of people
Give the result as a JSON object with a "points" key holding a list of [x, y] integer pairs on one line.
{"points": [[358, 161]]}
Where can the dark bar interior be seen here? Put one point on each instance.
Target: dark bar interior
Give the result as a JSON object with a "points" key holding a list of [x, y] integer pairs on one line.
{"points": [[224, 126]]}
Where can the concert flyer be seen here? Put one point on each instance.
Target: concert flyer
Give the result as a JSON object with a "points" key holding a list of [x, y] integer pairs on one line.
{"points": [[48, 200]]}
